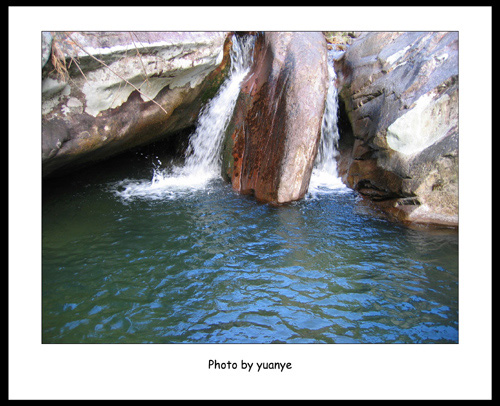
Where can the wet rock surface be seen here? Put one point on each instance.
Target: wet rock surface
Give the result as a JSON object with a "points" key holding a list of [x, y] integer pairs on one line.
{"points": [[272, 140]]}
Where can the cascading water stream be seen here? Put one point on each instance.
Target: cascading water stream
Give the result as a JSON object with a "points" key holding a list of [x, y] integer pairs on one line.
{"points": [[325, 177], [205, 144], [202, 162]]}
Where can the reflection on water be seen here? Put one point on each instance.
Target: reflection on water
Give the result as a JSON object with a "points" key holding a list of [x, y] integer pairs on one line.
{"points": [[212, 266]]}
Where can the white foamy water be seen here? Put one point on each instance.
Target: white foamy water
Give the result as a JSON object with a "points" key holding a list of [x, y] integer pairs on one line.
{"points": [[202, 162], [324, 177]]}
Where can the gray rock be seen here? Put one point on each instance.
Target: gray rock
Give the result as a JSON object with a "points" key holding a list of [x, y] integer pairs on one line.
{"points": [[111, 91], [46, 47], [400, 91]]}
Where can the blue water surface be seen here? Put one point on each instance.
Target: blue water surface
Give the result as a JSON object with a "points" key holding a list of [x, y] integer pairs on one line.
{"points": [[208, 265]]}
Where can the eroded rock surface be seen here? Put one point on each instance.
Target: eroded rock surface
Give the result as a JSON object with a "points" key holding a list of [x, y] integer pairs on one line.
{"points": [[400, 91], [106, 92], [272, 140]]}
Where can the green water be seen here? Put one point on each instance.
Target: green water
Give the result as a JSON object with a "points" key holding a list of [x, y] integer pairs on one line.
{"points": [[208, 265]]}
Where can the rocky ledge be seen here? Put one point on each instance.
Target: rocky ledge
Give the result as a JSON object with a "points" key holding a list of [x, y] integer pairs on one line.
{"points": [[106, 92], [399, 148]]}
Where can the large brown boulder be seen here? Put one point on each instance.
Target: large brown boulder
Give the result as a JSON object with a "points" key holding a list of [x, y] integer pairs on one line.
{"points": [[400, 91], [272, 140], [106, 92]]}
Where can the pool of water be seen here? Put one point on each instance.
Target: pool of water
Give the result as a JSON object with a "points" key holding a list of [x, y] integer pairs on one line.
{"points": [[207, 265]]}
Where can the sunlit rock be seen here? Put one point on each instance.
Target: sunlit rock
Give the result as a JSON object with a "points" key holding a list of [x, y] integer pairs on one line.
{"points": [[272, 140], [106, 92], [400, 92]]}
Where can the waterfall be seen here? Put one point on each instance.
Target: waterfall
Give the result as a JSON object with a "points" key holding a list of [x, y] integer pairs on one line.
{"points": [[324, 177], [203, 155]]}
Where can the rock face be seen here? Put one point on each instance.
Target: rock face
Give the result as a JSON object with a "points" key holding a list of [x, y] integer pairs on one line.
{"points": [[272, 140], [400, 92], [106, 92]]}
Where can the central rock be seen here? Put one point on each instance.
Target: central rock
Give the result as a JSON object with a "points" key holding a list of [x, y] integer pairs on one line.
{"points": [[272, 139]]}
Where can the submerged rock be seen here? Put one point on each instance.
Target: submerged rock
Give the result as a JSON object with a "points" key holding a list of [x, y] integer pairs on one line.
{"points": [[106, 92], [272, 140], [400, 91]]}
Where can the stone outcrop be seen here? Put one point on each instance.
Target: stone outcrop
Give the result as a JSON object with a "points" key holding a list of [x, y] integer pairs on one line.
{"points": [[106, 92], [272, 140], [400, 92]]}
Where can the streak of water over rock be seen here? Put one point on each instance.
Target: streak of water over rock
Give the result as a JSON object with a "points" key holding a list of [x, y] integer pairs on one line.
{"points": [[202, 163]]}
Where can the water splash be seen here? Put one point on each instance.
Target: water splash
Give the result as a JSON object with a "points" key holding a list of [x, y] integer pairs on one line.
{"points": [[203, 158], [324, 177], [203, 154]]}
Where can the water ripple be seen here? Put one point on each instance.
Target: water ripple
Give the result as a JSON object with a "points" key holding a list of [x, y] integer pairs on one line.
{"points": [[219, 268]]}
